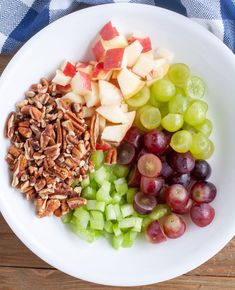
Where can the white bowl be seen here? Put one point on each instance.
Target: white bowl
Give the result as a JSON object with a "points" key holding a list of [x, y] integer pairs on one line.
{"points": [[70, 37]]}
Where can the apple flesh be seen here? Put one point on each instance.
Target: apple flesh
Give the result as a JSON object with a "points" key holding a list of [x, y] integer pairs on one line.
{"points": [[74, 98], [99, 50], [81, 83], [109, 94], [99, 73], [92, 99], [117, 42], [60, 78], [114, 59], [133, 51], [63, 89], [113, 114], [143, 66], [84, 67], [145, 42], [102, 124], [108, 32], [129, 83], [68, 68]]}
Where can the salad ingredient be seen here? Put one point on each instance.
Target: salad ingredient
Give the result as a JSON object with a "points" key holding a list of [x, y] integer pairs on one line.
{"points": [[109, 94], [134, 137], [166, 171], [134, 177], [202, 170], [144, 204], [140, 99], [133, 52], [172, 122], [177, 196], [196, 113], [186, 209], [178, 104], [195, 87], [174, 226], [151, 185], [149, 165], [203, 192], [163, 90], [154, 233], [156, 141], [179, 74], [181, 162], [179, 178], [125, 153], [202, 214], [205, 127], [181, 141], [114, 59], [144, 41], [150, 118]]}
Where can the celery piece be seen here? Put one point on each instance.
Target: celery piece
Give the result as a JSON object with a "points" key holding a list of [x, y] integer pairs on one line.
{"points": [[121, 186], [93, 184], [116, 197], [129, 238], [127, 223], [116, 230], [89, 193], [117, 212], [85, 182], [103, 193], [146, 222], [101, 175], [127, 210], [95, 205], [96, 220], [97, 157], [108, 227], [160, 211], [112, 177], [110, 212], [117, 241], [138, 224], [68, 217], [120, 170], [75, 183], [87, 235], [130, 194], [81, 218]]}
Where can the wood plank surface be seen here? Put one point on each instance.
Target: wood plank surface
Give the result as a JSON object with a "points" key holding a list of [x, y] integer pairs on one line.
{"points": [[20, 269]]}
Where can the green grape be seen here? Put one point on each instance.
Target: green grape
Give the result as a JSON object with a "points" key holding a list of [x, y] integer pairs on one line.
{"points": [[206, 154], [179, 73], [195, 88], [139, 99], [200, 143], [189, 128], [178, 104], [172, 122], [196, 113], [164, 110], [150, 118], [205, 127], [163, 90], [137, 122], [153, 101], [179, 91], [181, 141]]}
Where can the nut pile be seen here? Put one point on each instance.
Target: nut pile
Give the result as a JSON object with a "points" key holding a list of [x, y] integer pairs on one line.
{"points": [[50, 149]]}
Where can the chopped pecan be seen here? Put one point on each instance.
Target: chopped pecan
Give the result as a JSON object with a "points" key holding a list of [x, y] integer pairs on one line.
{"points": [[40, 184], [59, 137], [76, 202], [60, 172], [25, 132], [111, 156], [94, 130], [53, 151], [35, 114], [25, 124], [22, 103], [10, 127]]}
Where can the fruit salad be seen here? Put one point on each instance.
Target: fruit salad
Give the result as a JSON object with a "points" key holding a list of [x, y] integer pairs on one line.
{"points": [[116, 146]]}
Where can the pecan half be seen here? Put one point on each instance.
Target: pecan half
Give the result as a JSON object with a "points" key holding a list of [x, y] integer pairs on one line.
{"points": [[111, 156], [9, 127], [76, 202], [94, 130]]}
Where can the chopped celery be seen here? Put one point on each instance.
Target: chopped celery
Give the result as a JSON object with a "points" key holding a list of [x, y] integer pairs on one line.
{"points": [[89, 193], [130, 194], [128, 239], [96, 220], [95, 205], [121, 186], [110, 212], [120, 170], [116, 230], [103, 193], [127, 223], [75, 183], [68, 217], [160, 211], [85, 182], [108, 227], [116, 197], [101, 175], [138, 224], [112, 177], [81, 218], [97, 157], [127, 210], [93, 184], [117, 212], [117, 241], [146, 222], [87, 235]]}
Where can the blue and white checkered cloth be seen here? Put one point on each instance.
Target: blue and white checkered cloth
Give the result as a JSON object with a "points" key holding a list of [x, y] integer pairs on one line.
{"points": [[20, 19]]}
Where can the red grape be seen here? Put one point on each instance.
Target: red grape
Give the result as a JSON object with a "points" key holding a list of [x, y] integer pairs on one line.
{"points": [[202, 170], [134, 177], [149, 165], [154, 233], [142, 152], [186, 209], [202, 214], [178, 178], [177, 196], [144, 204], [156, 141], [181, 162], [151, 185], [134, 137], [125, 153], [174, 226], [161, 195], [166, 171], [203, 191]]}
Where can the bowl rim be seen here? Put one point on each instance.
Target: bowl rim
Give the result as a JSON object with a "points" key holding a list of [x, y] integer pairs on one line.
{"points": [[35, 247]]}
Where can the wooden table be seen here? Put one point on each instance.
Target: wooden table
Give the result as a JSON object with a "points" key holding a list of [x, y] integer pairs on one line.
{"points": [[20, 269]]}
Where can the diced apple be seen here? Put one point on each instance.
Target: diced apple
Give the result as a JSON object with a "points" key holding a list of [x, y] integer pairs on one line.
{"points": [[143, 66], [81, 83], [130, 118], [116, 42], [108, 32], [109, 94], [115, 59], [145, 42], [68, 68], [63, 89], [149, 54], [164, 53], [99, 50], [133, 51], [113, 114], [87, 112], [157, 74], [124, 108], [104, 146], [84, 67], [99, 73], [93, 99], [102, 124], [129, 83], [60, 78], [74, 98], [115, 133]]}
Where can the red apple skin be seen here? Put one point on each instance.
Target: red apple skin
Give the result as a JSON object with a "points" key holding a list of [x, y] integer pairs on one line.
{"points": [[69, 70], [145, 42], [82, 65], [97, 69], [98, 50], [103, 146], [113, 58], [85, 80], [63, 89], [108, 32]]}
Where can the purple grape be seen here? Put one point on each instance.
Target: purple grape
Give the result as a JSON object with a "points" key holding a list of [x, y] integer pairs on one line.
{"points": [[202, 214], [203, 191], [177, 196], [167, 171], [156, 142], [174, 226], [134, 177], [202, 170], [181, 162], [134, 137], [178, 178], [151, 185], [154, 233], [125, 153], [144, 204]]}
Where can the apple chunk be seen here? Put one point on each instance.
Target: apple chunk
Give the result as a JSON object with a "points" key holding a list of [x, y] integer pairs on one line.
{"points": [[116, 42], [60, 78], [129, 83], [99, 50], [81, 83], [68, 68], [133, 51], [108, 32], [92, 99], [145, 42], [143, 66], [114, 59], [109, 94], [113, 114], [99, 73], [74, 98], [84, 67]]}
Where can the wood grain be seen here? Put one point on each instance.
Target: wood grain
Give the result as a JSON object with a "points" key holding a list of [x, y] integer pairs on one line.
{"points": [[20, 268]]}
